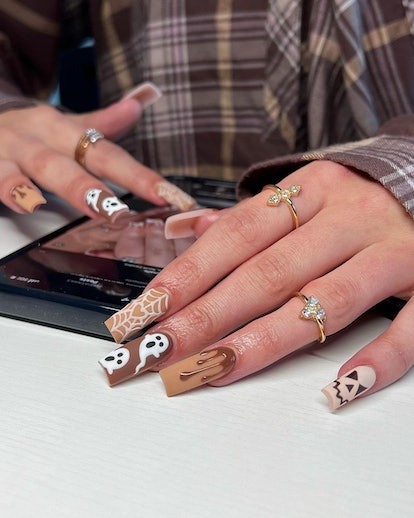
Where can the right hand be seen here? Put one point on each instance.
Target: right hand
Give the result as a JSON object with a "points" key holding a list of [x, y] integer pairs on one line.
{"points": [[37, 147]]}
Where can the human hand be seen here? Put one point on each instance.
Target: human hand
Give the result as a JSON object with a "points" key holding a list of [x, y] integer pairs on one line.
{"points": [[229, 300], [37, 149]]}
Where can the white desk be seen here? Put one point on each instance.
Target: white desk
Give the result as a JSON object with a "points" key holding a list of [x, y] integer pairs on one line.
{"points": [[71, 447]]}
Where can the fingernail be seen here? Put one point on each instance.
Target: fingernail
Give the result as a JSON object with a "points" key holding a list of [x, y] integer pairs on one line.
{"points": [[174, 195], [146, 93], [27, 198], [349, 386], [136, 357], [197, 370], [138, 314], [105, 204], [182, 224]]}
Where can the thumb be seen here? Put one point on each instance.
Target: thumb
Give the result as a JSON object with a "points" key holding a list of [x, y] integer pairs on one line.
{"points": [[114, 121]]}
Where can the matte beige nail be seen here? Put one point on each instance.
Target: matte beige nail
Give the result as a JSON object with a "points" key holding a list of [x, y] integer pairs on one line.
{"points": [[138, 313], [349, 386], [105, 204], [197, 370], [146, 93], [175, 196], [136, 357], [182, 224], [27, 198]]}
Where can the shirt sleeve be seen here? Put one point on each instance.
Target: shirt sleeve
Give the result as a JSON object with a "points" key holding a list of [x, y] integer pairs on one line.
{"points": [[387, 157]]}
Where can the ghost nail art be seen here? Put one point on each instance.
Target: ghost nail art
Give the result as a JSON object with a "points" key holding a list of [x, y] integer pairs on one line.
{"points": [[349, 386], [136, 357], [105, 204]]}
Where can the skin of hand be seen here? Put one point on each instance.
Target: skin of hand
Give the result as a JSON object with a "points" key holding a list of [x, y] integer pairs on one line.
{"points": [[234, 287], [37, 147]]}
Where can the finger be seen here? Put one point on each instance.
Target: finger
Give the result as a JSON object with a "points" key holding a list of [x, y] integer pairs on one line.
{"points": [[264, 271], [277, 334], [17, 191], [382, 362], [59, 134], [235, 237]]}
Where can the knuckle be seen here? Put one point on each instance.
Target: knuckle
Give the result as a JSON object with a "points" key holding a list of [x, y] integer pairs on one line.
{"points": [[273, 273], [43, 159], [242, 225], [340, 296], [201, 319]]}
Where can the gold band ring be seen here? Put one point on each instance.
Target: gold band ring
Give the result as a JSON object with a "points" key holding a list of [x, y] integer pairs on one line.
{"points": [[90, 136], [285, 196], [313, 311]]}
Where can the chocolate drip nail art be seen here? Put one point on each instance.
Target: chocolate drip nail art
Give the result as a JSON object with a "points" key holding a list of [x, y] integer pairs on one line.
{"points": [[136, 357], [174, 195], [197, 370], [105, 204], [349, 386], [138, 314], [27, 198]]}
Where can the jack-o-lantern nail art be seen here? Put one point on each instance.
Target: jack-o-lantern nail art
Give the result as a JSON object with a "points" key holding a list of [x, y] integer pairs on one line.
{"points": [[105, 204], [197, 370], [349, 386], [136, 357]]}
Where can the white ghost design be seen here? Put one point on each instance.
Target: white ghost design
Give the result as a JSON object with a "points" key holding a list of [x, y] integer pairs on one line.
{"points": [[151, 345], [115, 360]]}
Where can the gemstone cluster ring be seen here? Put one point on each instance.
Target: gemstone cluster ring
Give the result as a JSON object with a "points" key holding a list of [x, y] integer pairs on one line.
{"points": [[284, 195], [90, 136], [313, 311]]}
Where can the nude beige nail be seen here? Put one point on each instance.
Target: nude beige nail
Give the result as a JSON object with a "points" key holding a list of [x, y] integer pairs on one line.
{"points": [[146, 93], [197, 370], [349, 386], [27, 198], [175, 196], [136, 357], [138, 314]]}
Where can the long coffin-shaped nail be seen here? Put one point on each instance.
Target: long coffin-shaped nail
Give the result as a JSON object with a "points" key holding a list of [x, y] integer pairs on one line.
{"points": [[105, 204], [27, 198], [174, 195], [146, 93], [138, 314], [349, 386], [182, 224], [136, 357], [197, 370]]}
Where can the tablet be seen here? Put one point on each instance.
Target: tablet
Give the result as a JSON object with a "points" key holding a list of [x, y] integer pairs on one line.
{"points": [[77, 276]]}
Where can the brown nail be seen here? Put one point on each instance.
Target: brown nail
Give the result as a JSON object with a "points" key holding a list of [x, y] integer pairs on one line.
{"points": [[136, 357], [197, 370], [174, 195], [138, 314], [27, 198], [105, 204]]}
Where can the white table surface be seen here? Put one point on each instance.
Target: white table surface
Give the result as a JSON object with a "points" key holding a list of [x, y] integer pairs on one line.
{"points": [[267, 446]]}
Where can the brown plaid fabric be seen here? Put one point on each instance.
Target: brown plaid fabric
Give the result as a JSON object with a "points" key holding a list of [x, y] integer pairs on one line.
{"points": [[244, 81]]}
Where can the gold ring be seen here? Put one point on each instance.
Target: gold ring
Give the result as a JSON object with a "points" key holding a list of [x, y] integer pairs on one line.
{"points": [[90, 136], [313, 311], [285, 196]]}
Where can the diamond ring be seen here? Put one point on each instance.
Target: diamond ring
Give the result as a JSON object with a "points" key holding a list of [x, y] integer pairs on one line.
{"points": [[90, 136], [313, 311], [284, 195]]}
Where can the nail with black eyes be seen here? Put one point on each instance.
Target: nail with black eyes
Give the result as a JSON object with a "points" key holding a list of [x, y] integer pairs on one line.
{"points": [[136, 357]]}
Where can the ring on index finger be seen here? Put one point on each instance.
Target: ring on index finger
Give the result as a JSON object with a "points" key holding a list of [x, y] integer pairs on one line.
{"points": [[284, 195], [89, 136]]}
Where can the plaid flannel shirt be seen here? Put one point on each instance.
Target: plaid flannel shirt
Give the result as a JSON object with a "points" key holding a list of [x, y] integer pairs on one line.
{"points": [[270, 82]]}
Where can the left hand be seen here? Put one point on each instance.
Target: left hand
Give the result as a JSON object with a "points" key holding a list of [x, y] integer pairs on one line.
{"points": [[234, 288]]}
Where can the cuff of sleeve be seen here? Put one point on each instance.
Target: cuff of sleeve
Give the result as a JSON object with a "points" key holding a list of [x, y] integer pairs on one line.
{"points": [[387, 158]]}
